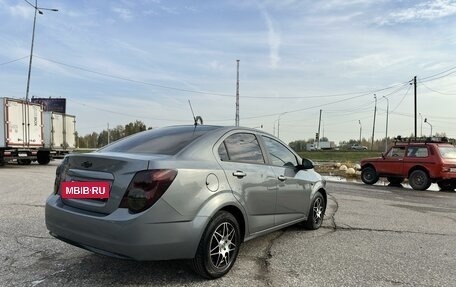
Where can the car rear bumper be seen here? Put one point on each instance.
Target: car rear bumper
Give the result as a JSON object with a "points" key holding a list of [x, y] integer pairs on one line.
{"points": [[123, 235]]}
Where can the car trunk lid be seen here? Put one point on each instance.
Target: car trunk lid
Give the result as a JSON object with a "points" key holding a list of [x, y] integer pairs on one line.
{"points": [[117, 169]]}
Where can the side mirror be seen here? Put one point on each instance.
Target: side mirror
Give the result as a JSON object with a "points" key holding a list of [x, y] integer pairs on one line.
{"points": [[306, 164], [383, 155]]}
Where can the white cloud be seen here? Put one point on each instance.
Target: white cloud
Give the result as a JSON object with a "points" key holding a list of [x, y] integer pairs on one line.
{"points": [[215, 65], [429, 10], [273, 39], [123, 13], [21, 10], [372, 62]]}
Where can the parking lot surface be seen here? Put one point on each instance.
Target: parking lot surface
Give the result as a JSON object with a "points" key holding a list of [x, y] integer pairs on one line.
{"points": [[372, 236]]}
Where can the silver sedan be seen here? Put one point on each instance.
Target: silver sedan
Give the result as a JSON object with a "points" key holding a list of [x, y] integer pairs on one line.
{"points": [[185, 192]]}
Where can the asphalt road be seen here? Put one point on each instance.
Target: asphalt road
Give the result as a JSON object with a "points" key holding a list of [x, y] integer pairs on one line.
{"points": [[372, 236]]}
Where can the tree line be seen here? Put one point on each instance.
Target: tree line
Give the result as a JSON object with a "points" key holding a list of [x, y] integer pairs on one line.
{"points": [[98, 140]]}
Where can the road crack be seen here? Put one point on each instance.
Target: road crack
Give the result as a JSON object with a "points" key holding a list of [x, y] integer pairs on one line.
{"points": [[333, 215], [350, 228], [264, 262], [345, 227]]}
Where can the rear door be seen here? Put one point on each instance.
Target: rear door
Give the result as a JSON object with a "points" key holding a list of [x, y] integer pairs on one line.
{"points": [[253, 182], [15, 123], [417, 155], [57, 130], [34, 125]]}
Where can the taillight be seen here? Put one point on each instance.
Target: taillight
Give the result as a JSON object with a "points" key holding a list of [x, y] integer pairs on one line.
{"points": [[146, 188], [58, 179]]}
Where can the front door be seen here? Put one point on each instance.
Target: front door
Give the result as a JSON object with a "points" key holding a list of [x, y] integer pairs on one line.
{"points": [[392, 163], [293, 191]]}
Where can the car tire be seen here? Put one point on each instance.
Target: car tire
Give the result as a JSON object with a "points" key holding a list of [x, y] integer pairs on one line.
{"points": [[419, 180], [369, 175], [218, 247], [447, 185], [316, 212], [395, 180], [43, 158]]}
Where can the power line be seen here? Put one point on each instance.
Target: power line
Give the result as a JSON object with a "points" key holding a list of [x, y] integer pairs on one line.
{"points": [[125, 114], [12, 61], [134, 81], [400, 102], [437, 74], [435, 90], [362, 93]]}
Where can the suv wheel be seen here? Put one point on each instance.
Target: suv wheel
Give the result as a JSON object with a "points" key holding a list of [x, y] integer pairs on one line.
{"points": [[369, 175], [219, 246], [419, 180]]}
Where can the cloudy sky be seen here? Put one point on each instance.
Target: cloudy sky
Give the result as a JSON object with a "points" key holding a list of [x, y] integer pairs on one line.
{"points": [[120, 61]]}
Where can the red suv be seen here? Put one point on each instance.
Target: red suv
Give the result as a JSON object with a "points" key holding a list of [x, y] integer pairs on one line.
{"points": [[422, 161]]}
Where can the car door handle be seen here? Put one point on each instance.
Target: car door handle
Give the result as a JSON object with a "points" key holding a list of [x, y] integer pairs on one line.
{"points": [[239, 174], [281, 178]]}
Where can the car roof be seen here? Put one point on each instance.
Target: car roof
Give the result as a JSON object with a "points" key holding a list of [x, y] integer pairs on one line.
{"points": [[197, 150]]}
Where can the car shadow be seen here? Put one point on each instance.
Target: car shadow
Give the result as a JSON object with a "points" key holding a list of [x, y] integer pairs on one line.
{"points": [[98, 270]]}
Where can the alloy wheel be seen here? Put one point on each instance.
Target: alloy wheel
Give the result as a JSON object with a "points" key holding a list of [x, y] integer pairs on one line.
{"points": [[318, 210], [223, 246]]}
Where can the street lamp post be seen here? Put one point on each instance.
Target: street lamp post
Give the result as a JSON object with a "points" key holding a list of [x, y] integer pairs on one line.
{"points": [[40, 11], [278, 124], [373, 126], [421, 125], [426, 121], [360, 129], [386, 135]]}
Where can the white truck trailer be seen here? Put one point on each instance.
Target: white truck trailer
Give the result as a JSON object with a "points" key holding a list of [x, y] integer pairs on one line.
{"points": [[28, 134], [21, 132], [59, 133]]}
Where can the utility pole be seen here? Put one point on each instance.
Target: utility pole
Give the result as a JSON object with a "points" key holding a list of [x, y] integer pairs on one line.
{"points": [[360, 129], [40, 11], [318, 134], [237, 96], [373, 127], [108, 133], [386, 135], [414, 85]]}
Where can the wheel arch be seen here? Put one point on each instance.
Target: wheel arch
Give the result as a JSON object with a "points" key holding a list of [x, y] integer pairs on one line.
{"points": [[325, 195], [224, 202], [366, 165], [237, 213]]}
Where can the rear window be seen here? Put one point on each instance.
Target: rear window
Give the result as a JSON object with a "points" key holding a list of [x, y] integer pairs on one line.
{"points": [[168, 141], [448, 151]]}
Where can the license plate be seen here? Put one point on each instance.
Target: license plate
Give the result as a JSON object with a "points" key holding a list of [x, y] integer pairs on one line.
{"points": [[85, 189], [453, 169], [22, 154]]}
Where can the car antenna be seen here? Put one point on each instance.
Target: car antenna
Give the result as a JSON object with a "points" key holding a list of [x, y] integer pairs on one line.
{"points": [[195, 118]]}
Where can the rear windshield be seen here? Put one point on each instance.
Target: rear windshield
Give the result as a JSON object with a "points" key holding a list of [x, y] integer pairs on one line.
{"points": [[168, 141], [447, 151]]}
